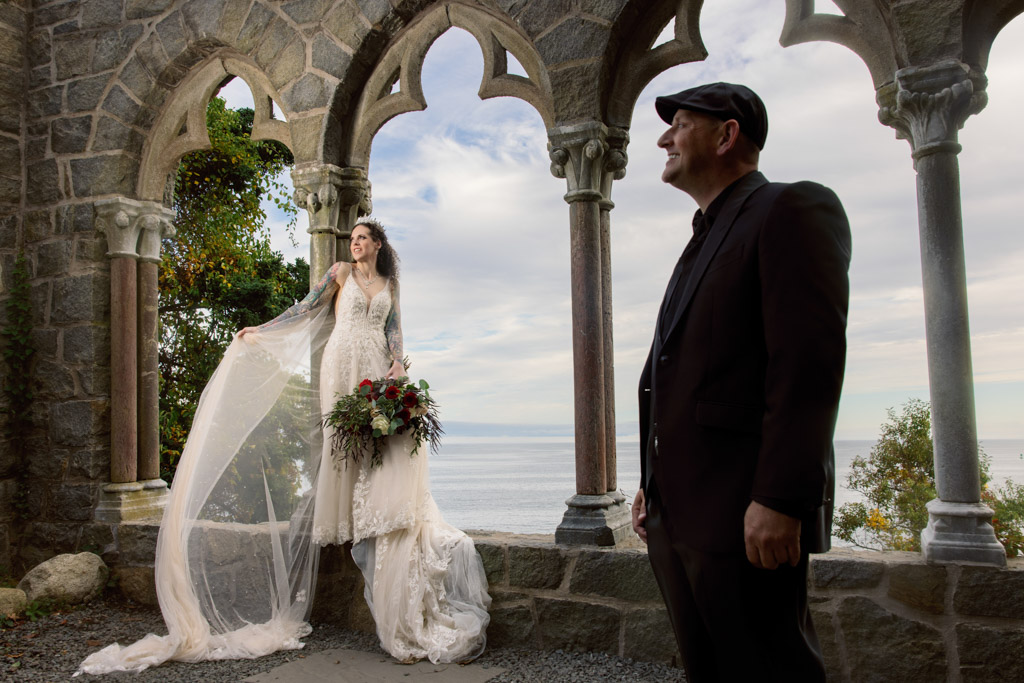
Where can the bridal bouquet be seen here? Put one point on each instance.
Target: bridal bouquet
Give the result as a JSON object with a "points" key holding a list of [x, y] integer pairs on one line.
{"points": [[377, 409]]}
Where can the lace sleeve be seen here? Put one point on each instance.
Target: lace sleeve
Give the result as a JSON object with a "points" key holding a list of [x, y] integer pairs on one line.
{"points": [[393, 326], [318, 297]]}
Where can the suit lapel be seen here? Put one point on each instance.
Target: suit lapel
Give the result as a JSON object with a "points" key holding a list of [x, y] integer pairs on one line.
{"points": [[723, 223]]}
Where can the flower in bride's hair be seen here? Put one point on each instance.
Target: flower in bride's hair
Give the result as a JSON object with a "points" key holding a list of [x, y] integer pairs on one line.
{"points": [[382, 423], [392, 392]]}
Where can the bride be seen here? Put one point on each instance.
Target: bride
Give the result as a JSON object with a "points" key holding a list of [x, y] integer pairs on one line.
{"points": [[249, 508]]}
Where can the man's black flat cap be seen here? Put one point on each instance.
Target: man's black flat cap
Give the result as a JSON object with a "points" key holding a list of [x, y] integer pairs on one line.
{"points": [[723, 101]]}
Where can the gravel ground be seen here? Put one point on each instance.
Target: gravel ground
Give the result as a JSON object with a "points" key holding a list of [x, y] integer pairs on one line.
{"points": [[51, 648]]}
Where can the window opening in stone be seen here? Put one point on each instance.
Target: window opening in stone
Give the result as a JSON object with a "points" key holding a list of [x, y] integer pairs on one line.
{"points": [[465, 190], [234, 262], [513, 67]]}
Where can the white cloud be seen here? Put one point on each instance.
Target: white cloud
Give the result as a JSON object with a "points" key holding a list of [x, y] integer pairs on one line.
{"points": [[483, 231]]}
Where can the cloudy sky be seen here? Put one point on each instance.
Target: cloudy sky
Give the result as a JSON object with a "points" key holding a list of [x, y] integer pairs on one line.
{"points": [[482, 229]]}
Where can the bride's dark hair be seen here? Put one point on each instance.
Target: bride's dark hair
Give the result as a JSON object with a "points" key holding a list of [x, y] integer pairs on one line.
{"points": [[387, 259]]}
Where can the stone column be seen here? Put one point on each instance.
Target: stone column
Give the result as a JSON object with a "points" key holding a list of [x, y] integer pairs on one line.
{"points": [[155, 226], [329, 193], [122, 221], [578, 154], [614, 169], [927, 106]]}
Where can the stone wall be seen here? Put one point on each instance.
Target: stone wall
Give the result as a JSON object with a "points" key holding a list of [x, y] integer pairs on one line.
{"points": [[879, 616], [13, 32]]}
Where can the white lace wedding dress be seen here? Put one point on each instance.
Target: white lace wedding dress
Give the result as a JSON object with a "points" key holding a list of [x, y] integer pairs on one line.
{"points": [[425, 583], [256, 493]]}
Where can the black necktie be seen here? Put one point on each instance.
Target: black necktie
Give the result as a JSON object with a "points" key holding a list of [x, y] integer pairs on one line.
{"points": [[682, 272]]}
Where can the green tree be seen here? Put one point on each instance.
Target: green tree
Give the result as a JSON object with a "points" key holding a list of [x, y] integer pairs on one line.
{"points": [[219, 273], [898, 479]]}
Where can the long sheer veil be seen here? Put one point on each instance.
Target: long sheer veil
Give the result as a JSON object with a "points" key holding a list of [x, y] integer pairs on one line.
{"points": [[235, 565]]}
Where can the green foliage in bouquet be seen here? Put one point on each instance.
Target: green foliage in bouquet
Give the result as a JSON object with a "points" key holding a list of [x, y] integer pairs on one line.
{"points": [[377, 409]]}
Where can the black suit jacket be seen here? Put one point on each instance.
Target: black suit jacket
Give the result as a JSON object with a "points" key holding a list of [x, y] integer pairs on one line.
{"points": [[739, 396]]}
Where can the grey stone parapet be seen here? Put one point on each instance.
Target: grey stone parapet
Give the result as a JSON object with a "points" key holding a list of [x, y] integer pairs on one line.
{"points": [[879, 616]]}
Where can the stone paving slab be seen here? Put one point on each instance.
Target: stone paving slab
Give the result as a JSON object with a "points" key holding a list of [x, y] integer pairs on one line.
{"points": [[352, 666]]}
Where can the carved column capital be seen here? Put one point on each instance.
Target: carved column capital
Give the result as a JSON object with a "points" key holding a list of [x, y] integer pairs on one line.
{"points": [[325, 191], [589, 156], [928, 105], [133, 228]]}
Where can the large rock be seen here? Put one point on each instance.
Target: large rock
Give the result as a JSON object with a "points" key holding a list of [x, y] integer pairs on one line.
{"points": [[12, 602], [68, 578]]}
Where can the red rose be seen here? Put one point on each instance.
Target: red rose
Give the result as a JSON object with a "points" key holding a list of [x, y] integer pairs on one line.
{"points": [[365, 383], [404, 415], [410, 400], [392, 392]]}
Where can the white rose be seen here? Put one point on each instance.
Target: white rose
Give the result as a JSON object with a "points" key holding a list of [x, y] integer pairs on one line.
{"points": [[382, 423]]}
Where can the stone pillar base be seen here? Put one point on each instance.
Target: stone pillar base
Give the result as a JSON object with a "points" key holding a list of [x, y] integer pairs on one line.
{"points": [[132, 502], [961, 532], [602, 520]]}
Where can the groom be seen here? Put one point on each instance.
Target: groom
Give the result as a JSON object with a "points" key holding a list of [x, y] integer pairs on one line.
{"points": [[739, 396]]}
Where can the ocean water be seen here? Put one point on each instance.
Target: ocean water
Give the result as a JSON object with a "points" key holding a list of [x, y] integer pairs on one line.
{"points": [[520, 484]]}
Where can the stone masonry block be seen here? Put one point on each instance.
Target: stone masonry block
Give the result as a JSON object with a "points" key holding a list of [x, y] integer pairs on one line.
{"points": [[204, 17], [842, 572], [572, 40], [138, 543], [346, 23], [70, 135], [536, 566], [306, 11], [72, 55], [74, 502], [84, 94], [577, 626], [828, 640], [98, 13], [512, 626], [10, 188], [374, 10], [45, 342], [87, 344], [113, 47], [53, 380], [919, 585], [575, 88], [90, 250], [141, 9], [121, 105], [78, 423], [43, 183], [10, 115], [540, 16], [882, 646], [289, 64], [94, 380], [493, 556], [91, 464], [111, 134], [989, 654], [139, 81], [252, 30], [104, 175], [53, 258], [173, 37], [606, 9], [275, 38], [13, 16], [649, 636], [329, 57], [11, 48], [990, 592], [55, 13], [81, 298], [623, 574], [39, 298], [309, 92], [137, 583]]}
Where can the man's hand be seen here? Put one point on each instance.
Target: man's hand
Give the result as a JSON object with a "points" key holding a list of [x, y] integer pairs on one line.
{"points": [[639, 513], [772, 538]]}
